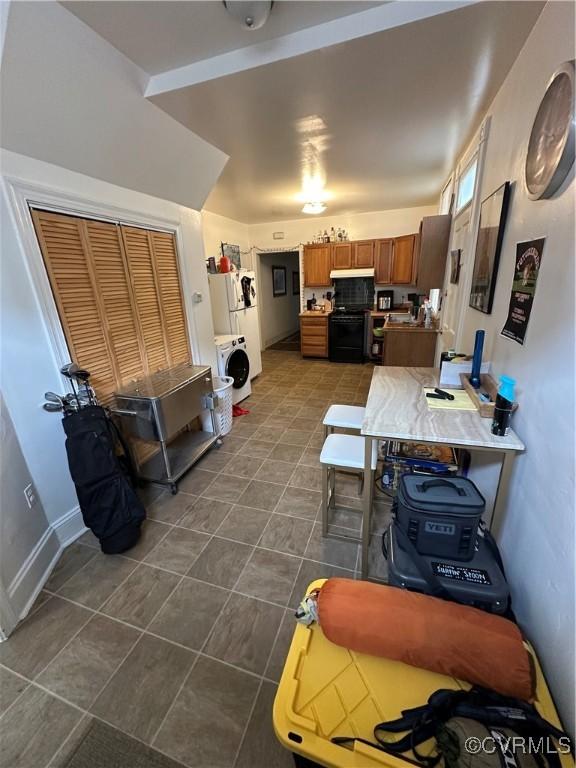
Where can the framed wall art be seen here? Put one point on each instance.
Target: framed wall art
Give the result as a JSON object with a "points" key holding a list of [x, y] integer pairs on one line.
{"points": [[279, 281], [493, 213]]}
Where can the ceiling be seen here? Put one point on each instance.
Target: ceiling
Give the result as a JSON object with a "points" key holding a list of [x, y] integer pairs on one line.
{"points": [[380, 119], [160, 35]]}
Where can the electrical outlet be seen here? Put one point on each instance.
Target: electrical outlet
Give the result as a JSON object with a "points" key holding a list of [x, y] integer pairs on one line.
{"points": [[30, 495]]}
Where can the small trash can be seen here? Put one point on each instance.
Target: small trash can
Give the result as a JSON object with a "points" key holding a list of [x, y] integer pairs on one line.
{"points": [[223, 412]]}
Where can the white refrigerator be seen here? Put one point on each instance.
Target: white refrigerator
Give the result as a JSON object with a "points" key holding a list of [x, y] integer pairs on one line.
{"points": [[234, 299]]}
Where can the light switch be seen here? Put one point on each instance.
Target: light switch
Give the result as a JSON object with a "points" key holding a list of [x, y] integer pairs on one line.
{"points": [[197, 297]]}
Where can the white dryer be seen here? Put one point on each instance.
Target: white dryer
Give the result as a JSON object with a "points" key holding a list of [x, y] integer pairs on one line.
{"points": [[233, 361]]}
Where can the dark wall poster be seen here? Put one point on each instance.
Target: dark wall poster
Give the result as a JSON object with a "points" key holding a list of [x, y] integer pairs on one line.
{"points": [[528, 260]]}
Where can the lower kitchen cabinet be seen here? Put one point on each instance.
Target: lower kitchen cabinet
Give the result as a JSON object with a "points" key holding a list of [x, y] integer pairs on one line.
{"points": [[314, 336], [409, 348]]}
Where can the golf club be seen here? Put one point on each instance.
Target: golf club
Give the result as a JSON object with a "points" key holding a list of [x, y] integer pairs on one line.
{"points": [[52, 397], [69, 370], [52, 407]]}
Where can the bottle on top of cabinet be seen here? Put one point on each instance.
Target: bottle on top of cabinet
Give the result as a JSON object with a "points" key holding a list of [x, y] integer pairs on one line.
{"points": [[332, 235]]}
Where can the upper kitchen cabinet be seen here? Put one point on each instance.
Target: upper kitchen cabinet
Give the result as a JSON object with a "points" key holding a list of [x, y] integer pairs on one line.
{"points": [[341, 255], [363, 254], [433, 250], [403, 271], [383, 261], [317, 265]]}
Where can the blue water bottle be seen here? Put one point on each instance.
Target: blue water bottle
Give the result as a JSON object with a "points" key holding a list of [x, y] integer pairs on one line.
{"points": [[477, 360]]}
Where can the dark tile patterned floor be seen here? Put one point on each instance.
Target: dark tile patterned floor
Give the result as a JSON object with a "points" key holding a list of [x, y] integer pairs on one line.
{"points": [[181, 642]]}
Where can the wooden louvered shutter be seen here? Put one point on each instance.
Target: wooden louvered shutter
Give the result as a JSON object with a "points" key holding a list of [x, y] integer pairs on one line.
{"points": [[64, 247], [139, 255], [118, 293], [170, 292], [115, 294]]}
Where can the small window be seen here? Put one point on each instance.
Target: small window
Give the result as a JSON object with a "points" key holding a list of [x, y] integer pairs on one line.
{"points": [[466, 185]]}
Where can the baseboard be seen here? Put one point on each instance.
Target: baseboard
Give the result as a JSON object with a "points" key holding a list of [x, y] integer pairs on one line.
{"points": [[33, 573], [69, 527], [39, 564]]}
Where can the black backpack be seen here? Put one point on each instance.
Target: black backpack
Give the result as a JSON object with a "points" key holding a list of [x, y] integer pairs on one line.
{"points": [[477, 713], [103, 480]]}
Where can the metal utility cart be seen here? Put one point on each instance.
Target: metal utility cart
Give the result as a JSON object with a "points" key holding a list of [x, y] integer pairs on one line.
{"points": [[158, 409]]}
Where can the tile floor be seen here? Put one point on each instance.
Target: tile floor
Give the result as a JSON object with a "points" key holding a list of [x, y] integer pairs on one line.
{"points": [[181, 642]]}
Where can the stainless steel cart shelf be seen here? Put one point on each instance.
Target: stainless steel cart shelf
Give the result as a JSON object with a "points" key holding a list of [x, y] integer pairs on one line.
{"points": [[158, 409]]}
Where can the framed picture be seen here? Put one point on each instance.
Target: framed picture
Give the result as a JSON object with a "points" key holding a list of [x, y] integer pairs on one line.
{"points": [[233, 253], [455, 265], [295, 283], [279, 281], [488, 246]]}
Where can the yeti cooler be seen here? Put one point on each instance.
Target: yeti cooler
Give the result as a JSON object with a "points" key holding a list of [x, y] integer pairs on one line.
{"points": [[479, 582], [440, 515]]}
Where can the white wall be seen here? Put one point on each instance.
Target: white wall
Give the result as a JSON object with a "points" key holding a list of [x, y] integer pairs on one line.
{"points": [[70, 98], [537, 533], [278, 314], [22, 528], [218, 229]]}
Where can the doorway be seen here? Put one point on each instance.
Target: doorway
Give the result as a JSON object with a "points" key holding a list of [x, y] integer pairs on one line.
{"points": [[279, 280]]}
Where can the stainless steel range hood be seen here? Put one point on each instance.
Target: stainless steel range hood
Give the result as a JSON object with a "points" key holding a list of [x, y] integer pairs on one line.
{"points": [[340, 273]]}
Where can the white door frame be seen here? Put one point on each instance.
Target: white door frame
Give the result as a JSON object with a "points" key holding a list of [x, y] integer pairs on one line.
{"points": [[20, 194], [468, 267]]}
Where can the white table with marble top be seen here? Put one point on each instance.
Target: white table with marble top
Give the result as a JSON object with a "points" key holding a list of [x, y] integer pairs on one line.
{"points": [[397, 409]]}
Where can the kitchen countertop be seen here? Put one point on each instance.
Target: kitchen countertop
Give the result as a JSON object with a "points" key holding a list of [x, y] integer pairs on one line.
{"points": [[313, 313]]}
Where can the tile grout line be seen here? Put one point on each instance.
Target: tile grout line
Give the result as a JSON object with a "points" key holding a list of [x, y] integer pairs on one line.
{"points": [[249, 718], [201, 651]]}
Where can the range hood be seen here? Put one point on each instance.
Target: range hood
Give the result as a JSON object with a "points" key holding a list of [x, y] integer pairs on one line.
{"points": [[336, 273]]}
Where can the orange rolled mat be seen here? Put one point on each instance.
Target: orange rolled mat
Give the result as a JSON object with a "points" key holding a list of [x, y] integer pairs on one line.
{"points": [[427, 632]]}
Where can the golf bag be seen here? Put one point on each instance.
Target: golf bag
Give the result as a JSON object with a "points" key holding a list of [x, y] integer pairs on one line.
{"points": [[109, 504]]}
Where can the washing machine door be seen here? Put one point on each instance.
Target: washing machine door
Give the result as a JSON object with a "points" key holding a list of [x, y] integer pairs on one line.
{"points": [[238, 367]]}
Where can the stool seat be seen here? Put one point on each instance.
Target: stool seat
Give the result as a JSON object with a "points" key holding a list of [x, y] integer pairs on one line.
{"points": [[346, 450], [344, 416]]}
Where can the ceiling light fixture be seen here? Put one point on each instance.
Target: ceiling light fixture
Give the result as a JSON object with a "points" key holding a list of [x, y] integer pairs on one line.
{"points": [[251, 15], [314, 207]]}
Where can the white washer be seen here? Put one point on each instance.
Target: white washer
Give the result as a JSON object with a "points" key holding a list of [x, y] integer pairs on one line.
{"points": [[233, 361]]}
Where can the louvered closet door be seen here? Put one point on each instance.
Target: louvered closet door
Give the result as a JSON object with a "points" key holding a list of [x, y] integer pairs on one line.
{"points": [[139, 255], [115, 294], [63, 242], [168, 277]]}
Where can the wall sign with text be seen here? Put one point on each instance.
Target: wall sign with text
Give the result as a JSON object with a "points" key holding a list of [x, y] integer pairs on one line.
{"points": [[528, 261]]}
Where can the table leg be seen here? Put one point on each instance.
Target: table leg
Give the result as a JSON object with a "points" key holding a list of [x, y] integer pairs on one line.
{"points": [[367, 497], [502, 491]]}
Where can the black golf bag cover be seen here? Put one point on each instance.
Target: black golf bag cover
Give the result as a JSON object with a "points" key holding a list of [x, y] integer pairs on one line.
{"points": [[109, 504]]}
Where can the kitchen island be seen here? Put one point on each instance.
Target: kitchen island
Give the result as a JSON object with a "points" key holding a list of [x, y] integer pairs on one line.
{"points": [[400, 342]]}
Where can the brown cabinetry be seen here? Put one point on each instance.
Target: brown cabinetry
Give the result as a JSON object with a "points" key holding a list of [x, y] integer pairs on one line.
{"points": [[314, 336], [383, 261], [409, 348], [363, 254], [341, 255], [403, 270], [317, 265], [432, 250]]}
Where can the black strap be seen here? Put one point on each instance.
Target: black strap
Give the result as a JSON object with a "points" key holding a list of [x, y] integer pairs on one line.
{"points": [[437, 589]]}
